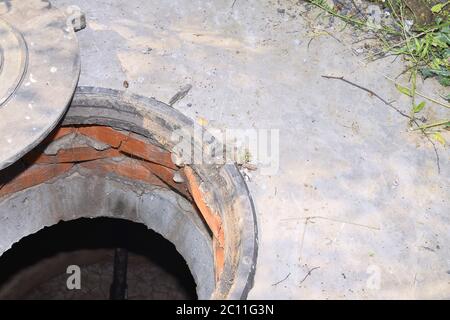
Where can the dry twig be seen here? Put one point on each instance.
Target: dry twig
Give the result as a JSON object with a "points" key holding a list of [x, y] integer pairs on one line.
{"points": [[284, 279], [412, 119], [308, 274]]}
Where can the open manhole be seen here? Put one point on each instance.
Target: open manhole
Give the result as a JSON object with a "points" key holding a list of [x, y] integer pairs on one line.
{"points": [[114, 155], [106, 154], [56, 263]]}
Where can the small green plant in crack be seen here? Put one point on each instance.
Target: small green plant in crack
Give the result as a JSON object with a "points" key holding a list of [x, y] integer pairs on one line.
{"points": [[426, 48], [419, 31]]}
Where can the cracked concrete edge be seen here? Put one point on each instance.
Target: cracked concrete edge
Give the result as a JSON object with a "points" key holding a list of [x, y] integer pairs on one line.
{"points": [[227, 190]]}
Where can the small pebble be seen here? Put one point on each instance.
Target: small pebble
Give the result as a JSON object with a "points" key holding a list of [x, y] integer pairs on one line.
{"points": [[177, 177], [147, 50]]}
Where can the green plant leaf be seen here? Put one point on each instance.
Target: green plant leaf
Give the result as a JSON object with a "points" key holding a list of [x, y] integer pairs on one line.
{"points": [[447, 97], [437, 8], [439, 138], [426, 72], [444, 80], [446, 53], [404, 90], [439, 41], [442, 74], [419, 107]]}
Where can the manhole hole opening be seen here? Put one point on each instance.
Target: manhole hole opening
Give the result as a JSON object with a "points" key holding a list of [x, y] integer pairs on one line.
{"points": [[112, 157], [58, 263]]}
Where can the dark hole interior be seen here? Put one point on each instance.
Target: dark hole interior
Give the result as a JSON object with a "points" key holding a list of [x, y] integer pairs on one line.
{"points": [[37, 266]]}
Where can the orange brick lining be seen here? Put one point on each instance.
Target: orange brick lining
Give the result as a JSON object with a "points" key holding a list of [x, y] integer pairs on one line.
{"points": [[212, 219], [140, 161]]}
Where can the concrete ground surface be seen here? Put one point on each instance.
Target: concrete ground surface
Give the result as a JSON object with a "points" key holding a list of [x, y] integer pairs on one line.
{"points": [[357, 209]]}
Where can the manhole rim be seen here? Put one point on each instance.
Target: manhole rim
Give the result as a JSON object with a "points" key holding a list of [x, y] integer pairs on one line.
{"points": [[161, 120], [222, 187]]}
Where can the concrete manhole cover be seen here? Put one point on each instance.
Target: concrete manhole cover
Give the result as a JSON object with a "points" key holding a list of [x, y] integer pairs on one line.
{"points": [[39, 70], [13, 61]]}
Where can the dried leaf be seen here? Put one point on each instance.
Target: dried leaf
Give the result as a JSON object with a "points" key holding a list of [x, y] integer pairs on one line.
{"points": [[202, 121], [439, 138]]}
